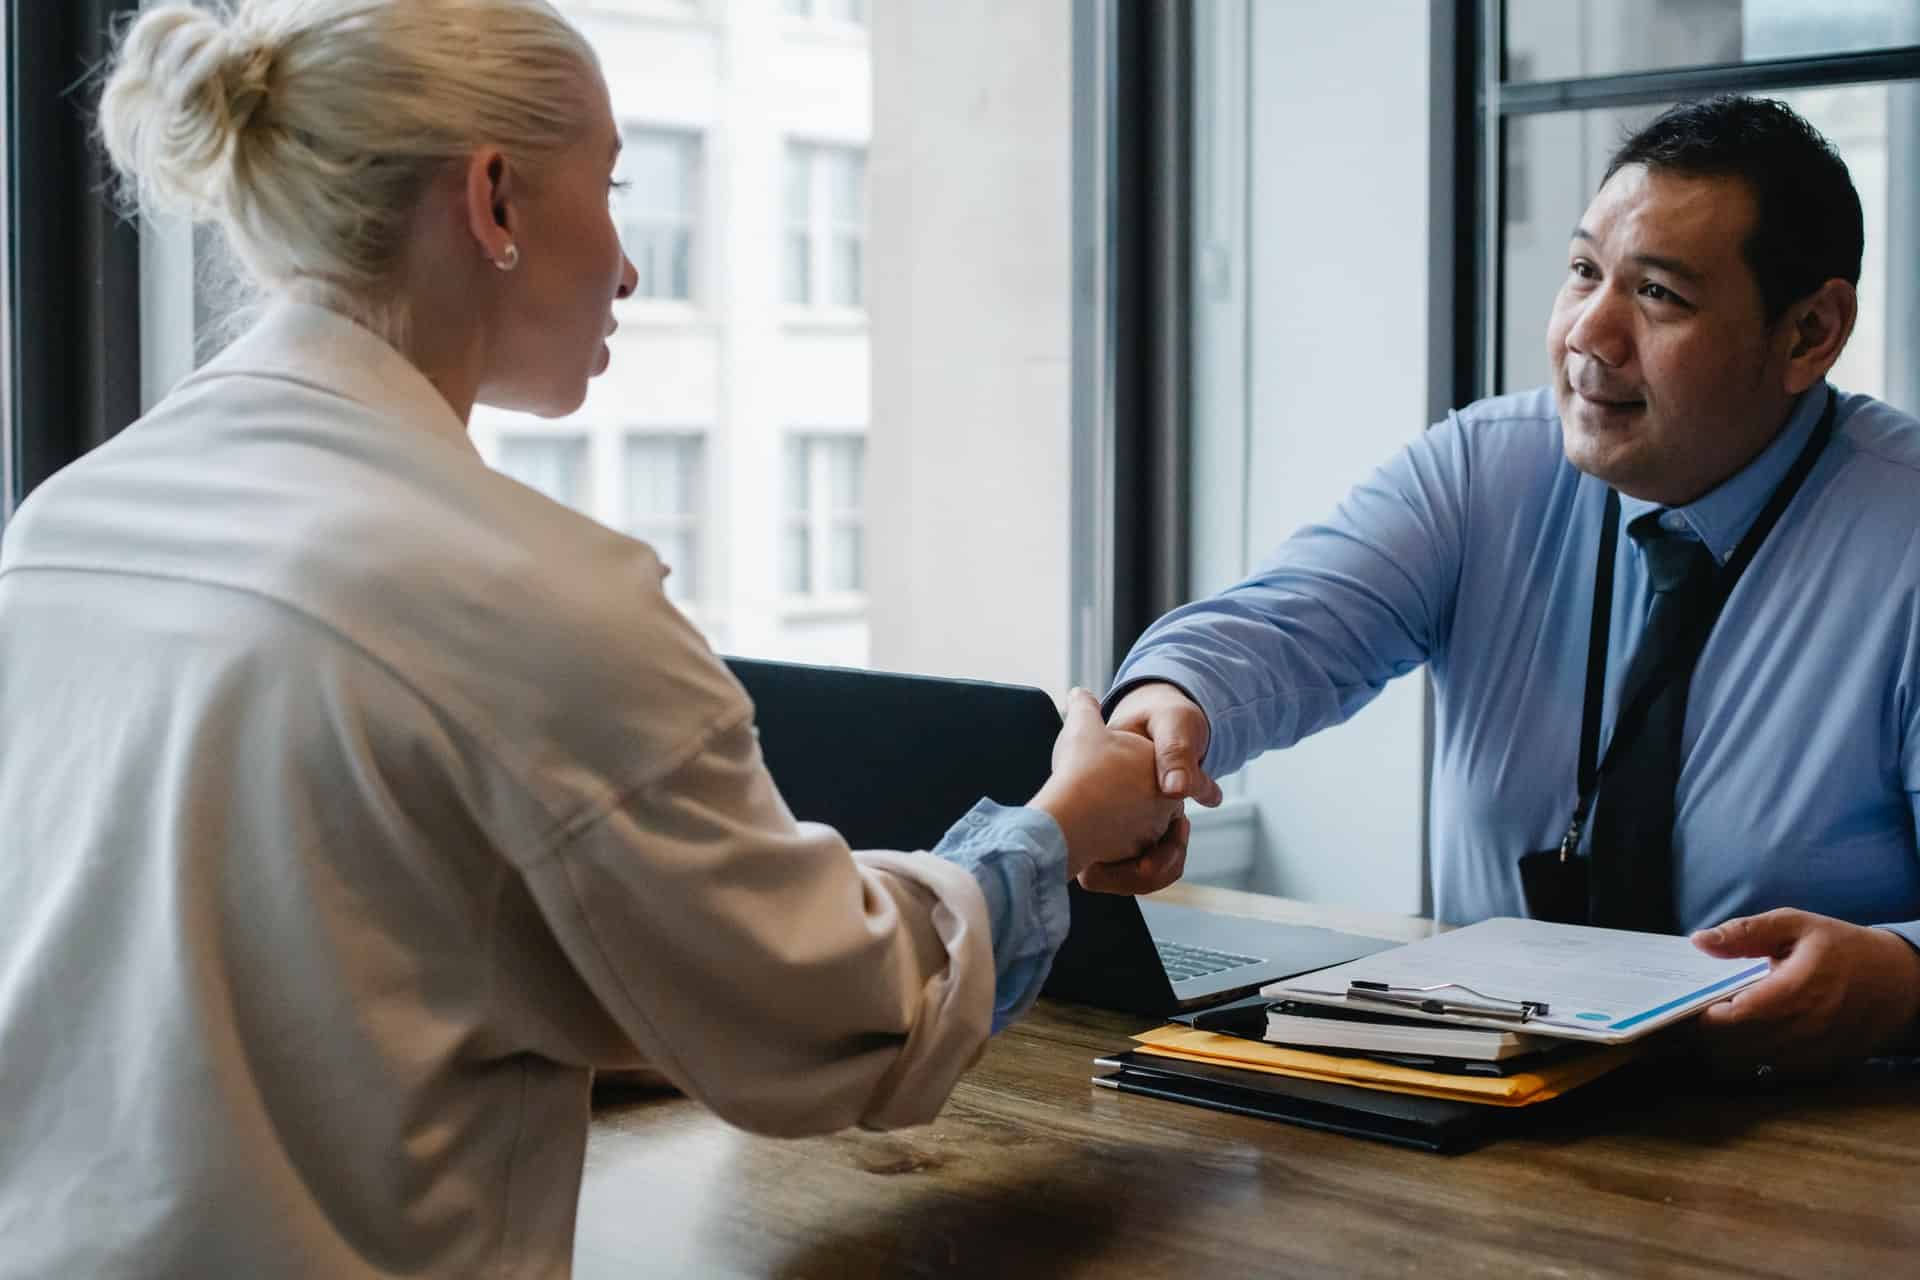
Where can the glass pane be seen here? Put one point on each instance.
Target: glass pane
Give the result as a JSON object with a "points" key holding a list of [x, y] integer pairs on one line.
{"points": [[847, 177], [555, 465], [662, 472], [799, 475], [843, 565], [796, 267], [848, 289], [680, 265], [844, 458], [659, 168], [1561, 157], [724, 118], [799, 180], [796, 561], [675, 547], [1559, 40]]}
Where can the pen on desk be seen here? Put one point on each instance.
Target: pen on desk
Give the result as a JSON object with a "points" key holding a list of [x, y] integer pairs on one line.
{"points": [[1485, 1006]]}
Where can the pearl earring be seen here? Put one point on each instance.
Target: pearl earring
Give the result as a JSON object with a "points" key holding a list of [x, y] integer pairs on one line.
{"points": [[510, 259]]}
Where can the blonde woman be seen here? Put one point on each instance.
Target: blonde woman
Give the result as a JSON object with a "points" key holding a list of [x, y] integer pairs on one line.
{"points": [[359, 801]]}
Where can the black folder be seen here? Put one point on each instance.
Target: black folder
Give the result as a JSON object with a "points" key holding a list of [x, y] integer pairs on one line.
{"points": [[1409, 1120]]}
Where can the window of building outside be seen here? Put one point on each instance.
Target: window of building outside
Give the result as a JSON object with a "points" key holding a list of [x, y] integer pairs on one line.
{"points": [[659, 173], [666, 500], [851, 12], [552, 462], [824, 247], [1569, 38], [822, 552]]}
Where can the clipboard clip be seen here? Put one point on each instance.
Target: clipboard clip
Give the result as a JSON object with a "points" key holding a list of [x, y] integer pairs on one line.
{"points": [[1480, 1005]]}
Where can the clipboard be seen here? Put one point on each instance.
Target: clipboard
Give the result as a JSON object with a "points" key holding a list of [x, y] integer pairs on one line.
{"points": [[1576, 982]]}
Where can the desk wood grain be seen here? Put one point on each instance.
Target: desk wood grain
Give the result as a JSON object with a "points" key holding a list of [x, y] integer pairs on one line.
{"points": [[1032, 1171]]}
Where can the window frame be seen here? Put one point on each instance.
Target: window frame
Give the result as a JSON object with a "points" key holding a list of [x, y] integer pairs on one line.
{"points": [[73, 264], [820, 520], [820, 228], [693, 149], [1485, 101]]}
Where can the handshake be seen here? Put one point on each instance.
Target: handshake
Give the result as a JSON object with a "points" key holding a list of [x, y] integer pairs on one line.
{"points": [[1118, 789]]}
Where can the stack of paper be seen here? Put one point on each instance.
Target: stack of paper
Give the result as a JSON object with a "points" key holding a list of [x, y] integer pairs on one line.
{"points": [[1516, 1090], [1309, 1026], [1555, 1007]]}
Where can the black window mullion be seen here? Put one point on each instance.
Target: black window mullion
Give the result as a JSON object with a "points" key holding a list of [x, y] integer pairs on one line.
{"points": [[1641, 88], [74, 284]]}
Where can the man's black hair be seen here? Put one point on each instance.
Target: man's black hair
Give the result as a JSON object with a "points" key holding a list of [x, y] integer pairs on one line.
{"points": [[1807, 229]]}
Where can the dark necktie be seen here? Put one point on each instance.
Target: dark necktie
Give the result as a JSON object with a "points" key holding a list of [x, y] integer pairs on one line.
{"points": [[1632, 867]]}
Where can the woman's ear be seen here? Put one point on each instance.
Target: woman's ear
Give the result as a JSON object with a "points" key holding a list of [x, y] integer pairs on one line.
{"points": [[490, 213], [1819, 326]]}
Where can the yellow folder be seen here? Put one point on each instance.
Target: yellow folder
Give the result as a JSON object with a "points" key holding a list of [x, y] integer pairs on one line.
{"points": [[1518, 1090]]}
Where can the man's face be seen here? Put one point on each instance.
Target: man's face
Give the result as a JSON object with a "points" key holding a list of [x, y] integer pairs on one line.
{"points": [[1668, 377]]}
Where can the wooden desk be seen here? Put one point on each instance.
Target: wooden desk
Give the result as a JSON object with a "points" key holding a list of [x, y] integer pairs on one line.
{"points": [[1031, 1171]]}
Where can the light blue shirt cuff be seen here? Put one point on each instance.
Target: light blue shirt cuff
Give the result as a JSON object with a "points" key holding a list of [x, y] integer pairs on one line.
{"points": [[1019, 858], [1909, 930]]}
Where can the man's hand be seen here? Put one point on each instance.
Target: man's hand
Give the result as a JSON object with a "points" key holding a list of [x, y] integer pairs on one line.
{"points": [[1178, 730], [1838, 991], [1122, 835]]}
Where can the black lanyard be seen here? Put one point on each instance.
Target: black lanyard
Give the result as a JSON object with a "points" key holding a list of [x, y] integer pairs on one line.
{"points": [[1687, 653]]}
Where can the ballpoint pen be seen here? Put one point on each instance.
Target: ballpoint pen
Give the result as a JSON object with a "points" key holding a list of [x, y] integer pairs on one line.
{"points": [[1482, 1005]]}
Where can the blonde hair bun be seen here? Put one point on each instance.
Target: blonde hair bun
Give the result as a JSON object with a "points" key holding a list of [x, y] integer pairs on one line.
{"points": [[184, 86], [309, 129]]}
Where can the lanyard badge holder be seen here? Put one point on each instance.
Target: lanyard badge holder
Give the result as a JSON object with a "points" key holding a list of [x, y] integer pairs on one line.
{"points": [[1557, 882]]}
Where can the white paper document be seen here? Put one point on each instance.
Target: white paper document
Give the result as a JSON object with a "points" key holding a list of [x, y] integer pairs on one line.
{"points": [[1607, 985]]}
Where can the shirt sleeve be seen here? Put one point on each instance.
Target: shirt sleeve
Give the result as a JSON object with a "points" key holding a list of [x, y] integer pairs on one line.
{"points": [[791, 986], [1019, 859], [1339, 610]]}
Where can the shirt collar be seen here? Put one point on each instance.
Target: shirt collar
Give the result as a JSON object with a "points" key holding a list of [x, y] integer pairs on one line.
{"points": [[1722, 516], [321, 347]]}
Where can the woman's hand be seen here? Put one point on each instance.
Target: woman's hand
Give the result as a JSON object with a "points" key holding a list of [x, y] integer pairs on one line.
{"points": [[1123, 835]]}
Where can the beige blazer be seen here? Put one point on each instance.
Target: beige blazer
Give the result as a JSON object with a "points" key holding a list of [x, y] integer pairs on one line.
{"points": [[355, 802]]}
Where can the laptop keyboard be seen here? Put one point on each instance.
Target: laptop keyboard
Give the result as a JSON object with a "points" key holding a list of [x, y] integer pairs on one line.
{"points": [[1183, 962]]}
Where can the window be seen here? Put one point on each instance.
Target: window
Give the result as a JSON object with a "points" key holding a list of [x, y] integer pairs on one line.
{"points": [[1609, 37], [850, 12], [1556, 138], [824, 539], [726, 110], [656, 210], [823, 261], [665, 502], [556, 465]]}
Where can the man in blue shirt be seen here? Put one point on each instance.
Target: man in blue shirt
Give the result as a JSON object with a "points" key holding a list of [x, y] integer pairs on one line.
{"points": [[1710, 287]]}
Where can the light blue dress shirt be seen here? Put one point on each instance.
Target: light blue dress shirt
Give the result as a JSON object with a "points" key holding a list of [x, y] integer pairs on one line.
{"points": [[1019, 858], [1473, 551]]}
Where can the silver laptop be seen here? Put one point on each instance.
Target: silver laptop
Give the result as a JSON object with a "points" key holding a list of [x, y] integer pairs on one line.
{"points": [[891, 761]]}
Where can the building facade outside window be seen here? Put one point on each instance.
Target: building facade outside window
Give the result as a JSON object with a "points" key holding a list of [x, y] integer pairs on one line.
{"points": [[657, 209], [824, 249]]}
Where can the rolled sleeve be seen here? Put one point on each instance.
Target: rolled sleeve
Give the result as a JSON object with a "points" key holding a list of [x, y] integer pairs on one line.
{"points": [[1019, 859]]}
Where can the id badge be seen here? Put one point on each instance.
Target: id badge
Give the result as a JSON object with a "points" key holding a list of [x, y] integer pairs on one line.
{"points": [[1555, 884]]}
